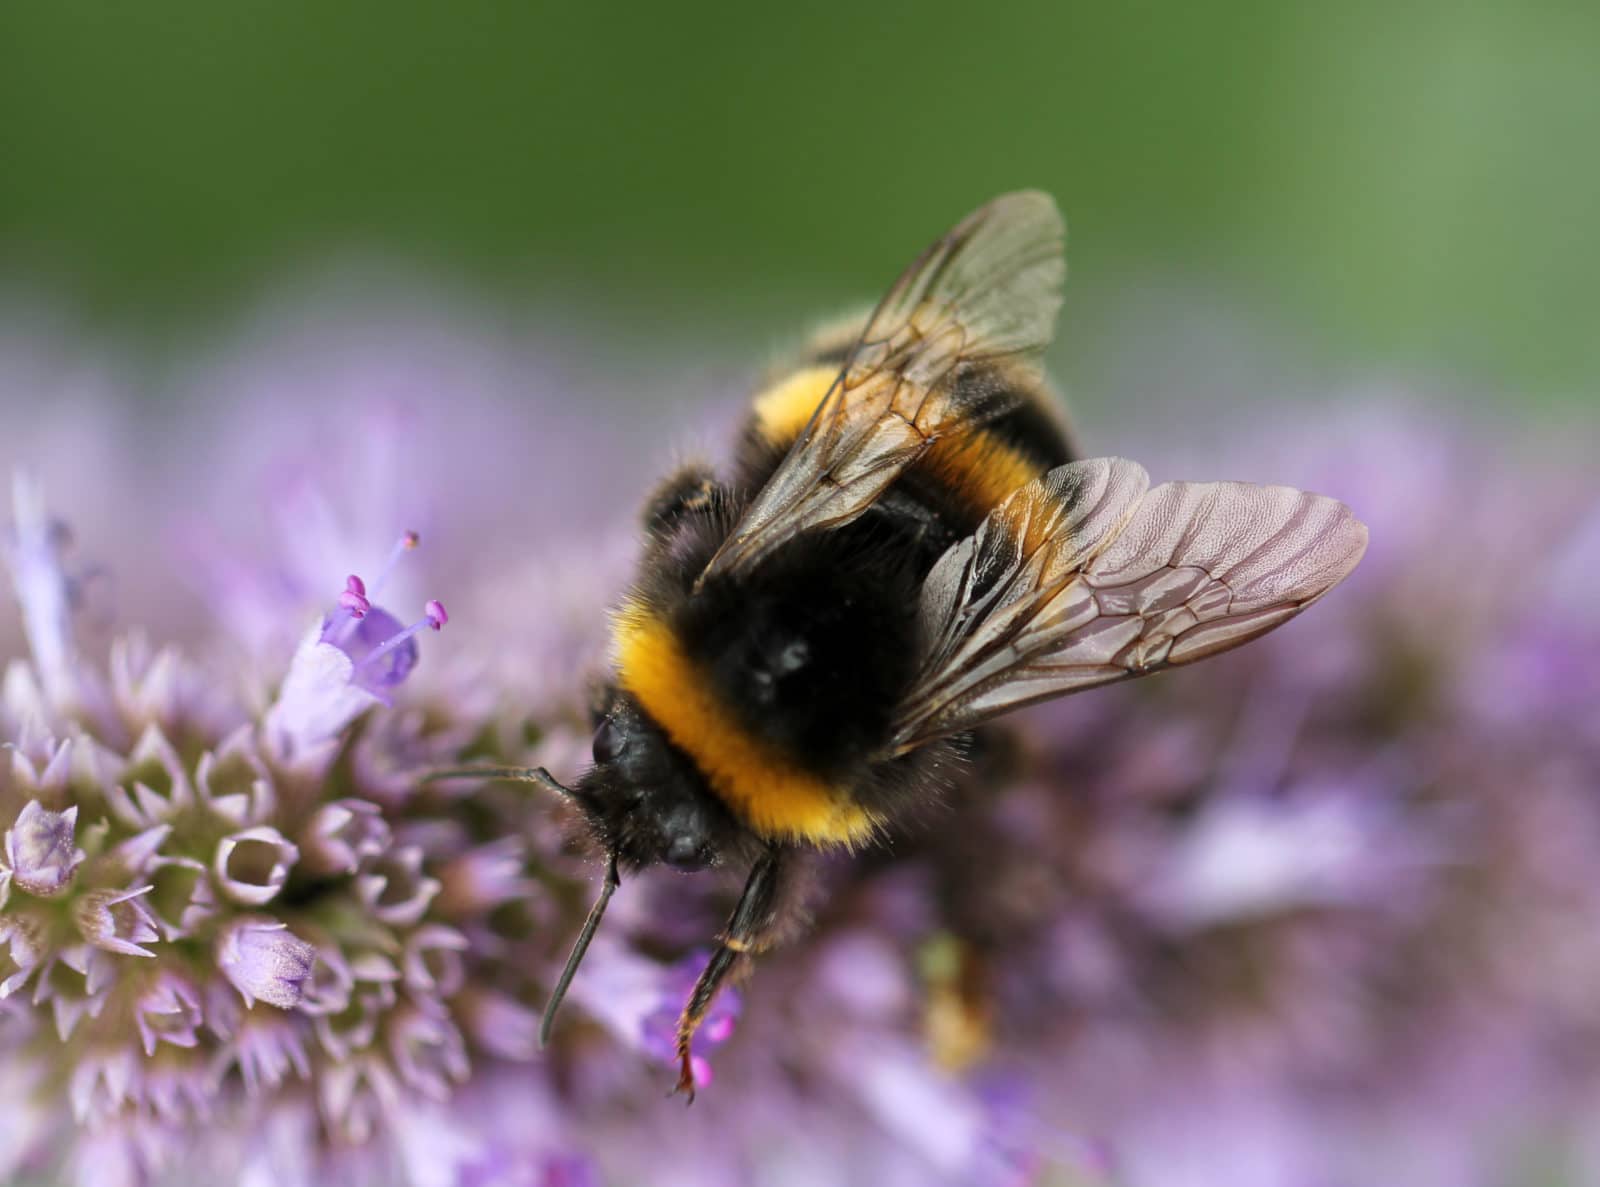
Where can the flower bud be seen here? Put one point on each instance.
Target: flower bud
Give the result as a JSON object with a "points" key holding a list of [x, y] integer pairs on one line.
{"points": [[40, 849], [265, 961]]}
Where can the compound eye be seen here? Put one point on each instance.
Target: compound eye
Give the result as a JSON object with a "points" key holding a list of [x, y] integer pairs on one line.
{"points": [[607, 742]]}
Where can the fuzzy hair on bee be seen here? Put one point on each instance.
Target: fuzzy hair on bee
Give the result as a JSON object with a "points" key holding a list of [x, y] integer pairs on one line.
{"points": [[904, 546]]}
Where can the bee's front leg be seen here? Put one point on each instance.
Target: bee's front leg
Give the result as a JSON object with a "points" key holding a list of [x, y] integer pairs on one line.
{"points": [[692, 490], [748, 931]]}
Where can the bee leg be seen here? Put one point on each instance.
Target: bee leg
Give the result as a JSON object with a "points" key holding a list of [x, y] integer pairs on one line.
{"points": [[693, 490], [746, 932]]}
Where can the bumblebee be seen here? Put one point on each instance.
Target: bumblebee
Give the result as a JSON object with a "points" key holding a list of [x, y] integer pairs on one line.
{"points": [[903, 548]]}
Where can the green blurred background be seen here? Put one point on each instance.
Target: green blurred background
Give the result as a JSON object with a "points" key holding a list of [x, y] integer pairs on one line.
{"points": [[1400, 188]]}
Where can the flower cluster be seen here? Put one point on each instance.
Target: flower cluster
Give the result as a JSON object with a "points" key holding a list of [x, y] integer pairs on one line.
{"points": [[207, 909]]}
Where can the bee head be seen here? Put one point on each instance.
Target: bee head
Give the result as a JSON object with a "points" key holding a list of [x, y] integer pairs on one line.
{"points": [[644, 799]]}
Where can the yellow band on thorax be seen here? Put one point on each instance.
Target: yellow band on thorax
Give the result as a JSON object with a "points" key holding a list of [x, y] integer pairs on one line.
{"points": [[763, 789], [976, 466], [784, 408]]}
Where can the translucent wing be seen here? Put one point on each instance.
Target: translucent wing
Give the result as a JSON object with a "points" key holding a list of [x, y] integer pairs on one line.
{"points": [[989, 290], [1085, 576]]}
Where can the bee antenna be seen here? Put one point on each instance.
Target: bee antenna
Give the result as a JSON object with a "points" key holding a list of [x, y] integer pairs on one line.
{"points": [[579, 948], [536, 775]]}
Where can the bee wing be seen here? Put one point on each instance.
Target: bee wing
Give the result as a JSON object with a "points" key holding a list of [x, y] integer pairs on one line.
{"points": [[1085, 576], [989, 289]]}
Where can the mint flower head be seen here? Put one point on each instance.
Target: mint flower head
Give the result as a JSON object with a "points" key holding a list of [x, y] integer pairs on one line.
{"points": [[209, 911]]}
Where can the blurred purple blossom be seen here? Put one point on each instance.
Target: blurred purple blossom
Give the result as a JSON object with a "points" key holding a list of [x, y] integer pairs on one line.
{"points": [[40, 855], [1321, 912], [265, 961]]}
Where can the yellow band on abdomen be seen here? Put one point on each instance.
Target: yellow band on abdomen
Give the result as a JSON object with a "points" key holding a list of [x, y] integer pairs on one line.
{"points": [[767, 792]]}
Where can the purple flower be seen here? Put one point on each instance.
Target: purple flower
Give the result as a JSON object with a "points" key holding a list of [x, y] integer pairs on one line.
{"points": [[168, 1012], [341, 835], [483, 878], [265, 962], [428, 1052], [45, 593], [252, 865], [268, 1052], [432, 965], [116, 921], [356, 657], [1248, 856], [394, 888], [24, 937], [41, 855], [499, 1023]]}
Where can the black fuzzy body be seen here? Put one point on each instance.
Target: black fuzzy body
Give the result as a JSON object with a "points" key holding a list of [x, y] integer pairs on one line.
{"points": [[811, 652]]}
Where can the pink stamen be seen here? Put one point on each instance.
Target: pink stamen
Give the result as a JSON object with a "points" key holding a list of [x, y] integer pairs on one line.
{"points": [[432, 620], [355, 603]]}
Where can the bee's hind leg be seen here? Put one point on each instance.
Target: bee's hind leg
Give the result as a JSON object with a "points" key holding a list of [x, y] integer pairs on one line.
{"points": [[749, 930]]}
